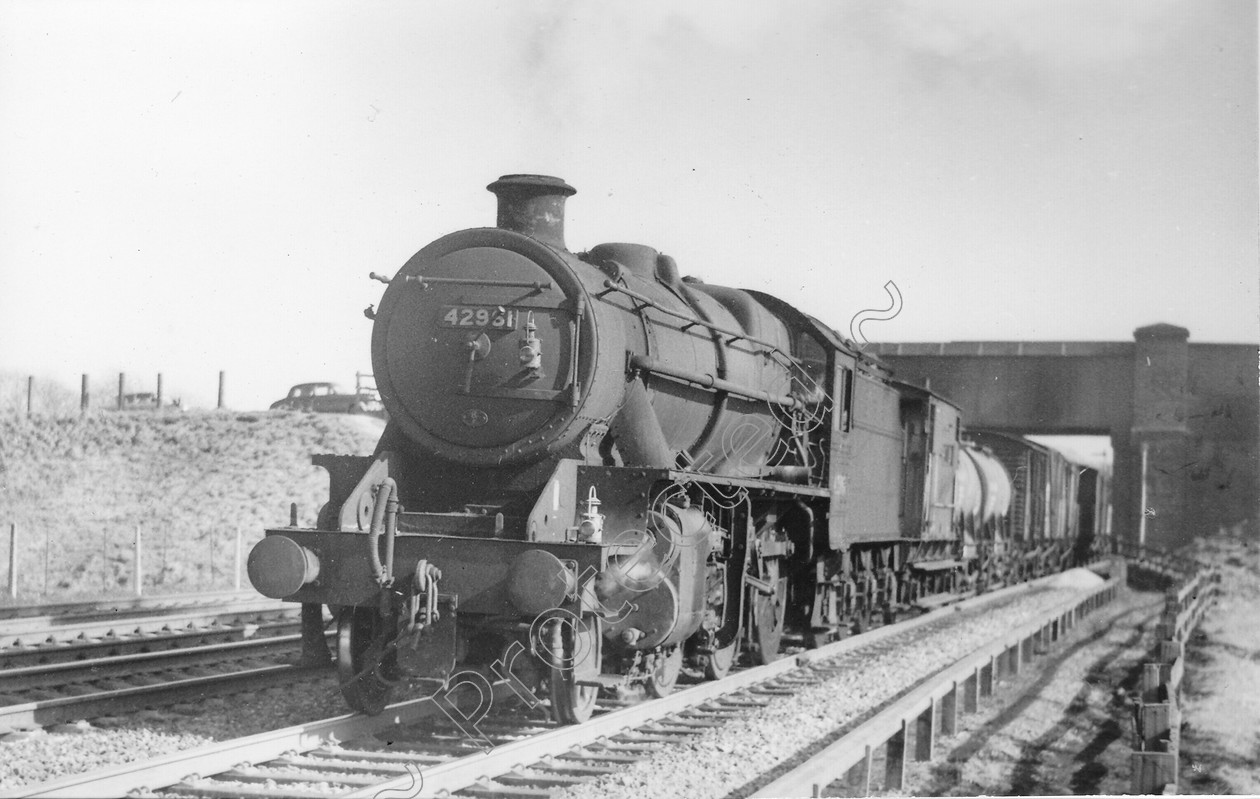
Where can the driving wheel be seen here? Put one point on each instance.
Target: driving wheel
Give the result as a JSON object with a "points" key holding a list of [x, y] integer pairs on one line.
{"points": [[718, 662], [571, 702], [767, 614], [663, 678], [360, 646]]}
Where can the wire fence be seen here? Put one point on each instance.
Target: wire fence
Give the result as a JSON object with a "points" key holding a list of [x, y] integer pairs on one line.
{"points": [[112, 562]]}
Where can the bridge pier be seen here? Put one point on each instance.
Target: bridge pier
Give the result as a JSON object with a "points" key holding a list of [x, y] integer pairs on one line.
{"points": [[1158, 456]]}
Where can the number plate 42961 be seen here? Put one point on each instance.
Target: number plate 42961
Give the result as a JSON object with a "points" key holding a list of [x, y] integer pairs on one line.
{"points": [[479, 316]]}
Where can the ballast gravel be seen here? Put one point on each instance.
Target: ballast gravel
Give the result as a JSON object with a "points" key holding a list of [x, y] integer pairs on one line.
{"points": [[716, 764], [735, 759], [28, 759]]}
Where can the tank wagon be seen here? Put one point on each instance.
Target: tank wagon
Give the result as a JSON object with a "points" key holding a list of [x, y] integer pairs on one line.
{"points": [[597, 472], [1060, 508]]}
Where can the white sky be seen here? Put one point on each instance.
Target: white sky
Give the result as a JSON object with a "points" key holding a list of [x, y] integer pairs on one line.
{"points": [[190, 187]]}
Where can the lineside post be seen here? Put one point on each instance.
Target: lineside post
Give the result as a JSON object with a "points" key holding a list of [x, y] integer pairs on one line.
{"points": [[13, 563], [925, 733], [138, 576], [238, 558], [895, 760], [971, 692], [858, 778], [949, 711]]}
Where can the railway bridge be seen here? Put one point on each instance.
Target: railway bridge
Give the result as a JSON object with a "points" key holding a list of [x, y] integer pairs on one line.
{"points": [[1183, 417]]}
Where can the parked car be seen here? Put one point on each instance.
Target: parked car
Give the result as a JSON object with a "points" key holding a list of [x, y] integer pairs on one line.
{"points": [[330, 398]]}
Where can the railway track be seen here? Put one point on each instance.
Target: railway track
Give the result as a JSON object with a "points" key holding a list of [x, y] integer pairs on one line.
{"points": [[46, 695], [75, 662], [26, 627], [498, 754], [116, 645]]}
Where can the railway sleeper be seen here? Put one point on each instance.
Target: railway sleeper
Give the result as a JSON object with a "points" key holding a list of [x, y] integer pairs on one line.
{"points": [[418, 758], [574, 768], [597, 756], [487, 788], [346, 763], [533, 777], [266, 773]]}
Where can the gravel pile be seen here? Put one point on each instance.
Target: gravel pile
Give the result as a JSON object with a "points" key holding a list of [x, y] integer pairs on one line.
{"points": [[68, 750], [745, 753]]}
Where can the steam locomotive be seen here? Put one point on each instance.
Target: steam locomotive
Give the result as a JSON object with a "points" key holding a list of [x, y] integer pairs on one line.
{"points": [[597, 472]]}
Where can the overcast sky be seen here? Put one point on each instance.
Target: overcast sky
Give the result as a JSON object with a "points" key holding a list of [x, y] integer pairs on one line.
{"points": [[195, 187]]}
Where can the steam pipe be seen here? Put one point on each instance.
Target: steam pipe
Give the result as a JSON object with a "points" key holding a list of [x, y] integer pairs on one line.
{"points": [[384, 515]]}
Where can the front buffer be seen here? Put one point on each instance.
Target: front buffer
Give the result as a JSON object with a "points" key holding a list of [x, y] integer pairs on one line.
{"points": [[426, 602]]}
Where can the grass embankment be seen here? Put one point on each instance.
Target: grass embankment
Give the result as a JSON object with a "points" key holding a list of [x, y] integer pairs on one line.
{"points": [[77, 488]]}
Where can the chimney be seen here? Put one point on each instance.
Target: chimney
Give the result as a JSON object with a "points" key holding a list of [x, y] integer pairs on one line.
{"points": [[533, 205]]}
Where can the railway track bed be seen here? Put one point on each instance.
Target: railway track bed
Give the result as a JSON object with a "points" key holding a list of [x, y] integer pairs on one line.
{"points": [[803, 703], [32, 634], [132, 655]]}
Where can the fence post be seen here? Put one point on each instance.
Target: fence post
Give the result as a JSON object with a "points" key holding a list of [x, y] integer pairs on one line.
{"points": [[221, 381], [121, 383], [159, 390], [13, 562], [238, 557], [30, 391], [83, 394], [139, 564]]}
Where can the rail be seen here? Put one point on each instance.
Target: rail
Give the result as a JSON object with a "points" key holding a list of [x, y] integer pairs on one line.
{"points": [[47, 712], [169, 769], [122, 620], [225, 757], [452, 777], [945, 694], [148, 604]]}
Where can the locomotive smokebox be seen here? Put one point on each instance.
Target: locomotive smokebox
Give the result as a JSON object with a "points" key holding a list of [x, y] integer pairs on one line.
{"points": [[533, 205]]}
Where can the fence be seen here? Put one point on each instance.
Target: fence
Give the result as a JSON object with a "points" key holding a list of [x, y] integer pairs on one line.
{"points": [[1157, 712], [124, 400], [910, 726], [108, 570]]}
